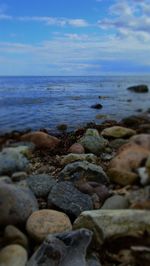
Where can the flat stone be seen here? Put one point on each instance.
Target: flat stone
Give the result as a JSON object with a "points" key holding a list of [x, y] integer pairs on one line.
{"points": [[116, 202], [72, 157], [83, 170], [113, 224], [142, 140], [93, 142], [13, 255], [44, 222], [16, 204], [40, 184], [22, 149], [69, 199], [12, 235], [12, 161], [118, 132]]}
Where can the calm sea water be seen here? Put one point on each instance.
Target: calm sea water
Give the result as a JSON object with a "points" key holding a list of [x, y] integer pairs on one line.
{"points": [[45, 102]]}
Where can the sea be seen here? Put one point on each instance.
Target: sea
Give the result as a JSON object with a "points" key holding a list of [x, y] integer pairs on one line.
{"points": [[45, 102]]}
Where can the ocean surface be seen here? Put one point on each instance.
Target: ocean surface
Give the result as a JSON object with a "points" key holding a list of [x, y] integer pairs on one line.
{"points": [[45, 102]]}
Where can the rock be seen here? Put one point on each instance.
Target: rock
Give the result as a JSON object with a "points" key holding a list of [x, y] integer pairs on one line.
{"points": [[97, 106], [122, 167], [116, 202], [44, 222], [76, 148], [69, 199], [93, 261], [41, 140], [16, 204], [64, 249], [139, 88], [6, 179], [139, 195], [93, 142], [50, 253], [142, 140], [22, 149], [72, 157], [18, 176], [118, 132], [12, 235], [83, 171], [13, 255], [12, 161], [141, 255], [117, 143], [113, 224], [62, 127], [41, 184]]}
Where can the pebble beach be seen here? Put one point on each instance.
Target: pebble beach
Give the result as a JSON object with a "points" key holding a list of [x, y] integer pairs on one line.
{"points": [[77, 198]]}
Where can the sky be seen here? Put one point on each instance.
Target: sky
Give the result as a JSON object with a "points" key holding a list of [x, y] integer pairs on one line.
{"points": [[74, 37]]}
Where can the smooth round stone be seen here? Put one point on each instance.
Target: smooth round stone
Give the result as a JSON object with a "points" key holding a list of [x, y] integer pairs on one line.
{"points": [[41, 184], [76, 148], [13, 235], [44, 222], [16, 204], [13, 255], [116, 202]]}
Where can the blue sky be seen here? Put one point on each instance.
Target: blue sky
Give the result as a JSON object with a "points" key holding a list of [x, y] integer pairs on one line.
{"points": [[74, 37]]}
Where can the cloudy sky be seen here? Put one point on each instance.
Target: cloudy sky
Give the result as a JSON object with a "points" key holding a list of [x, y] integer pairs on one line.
{"points": [[74, 37]]}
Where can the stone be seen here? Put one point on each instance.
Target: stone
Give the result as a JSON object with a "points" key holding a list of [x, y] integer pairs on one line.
{"points": [[113, 224], [117, 143], [41, 140], [12, 235], [141, 255], [118, 132], [139, 88], [97, 106], [13, 255], [22, 149], [92, 260], [6, 179], [41, 184], [122, 168], [63, 249], [69, 199], [83, 171], [72, 157], [93, 142], [16, 204], [44, 222], [12, 161], [115, 202], [18, 176], [142, 140], [76, 148]]}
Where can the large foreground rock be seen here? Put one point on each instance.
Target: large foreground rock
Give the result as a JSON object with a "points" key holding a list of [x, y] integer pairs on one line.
{"points": [[13, 255], [93, 142], [69, 199], [72, 157], [83, 170], [12, 160], [41, 140], [112, 224], [16, 204], [64, 249]]}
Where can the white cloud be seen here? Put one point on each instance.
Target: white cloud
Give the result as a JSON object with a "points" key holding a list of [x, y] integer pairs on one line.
{"points": [[57, 21]]}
